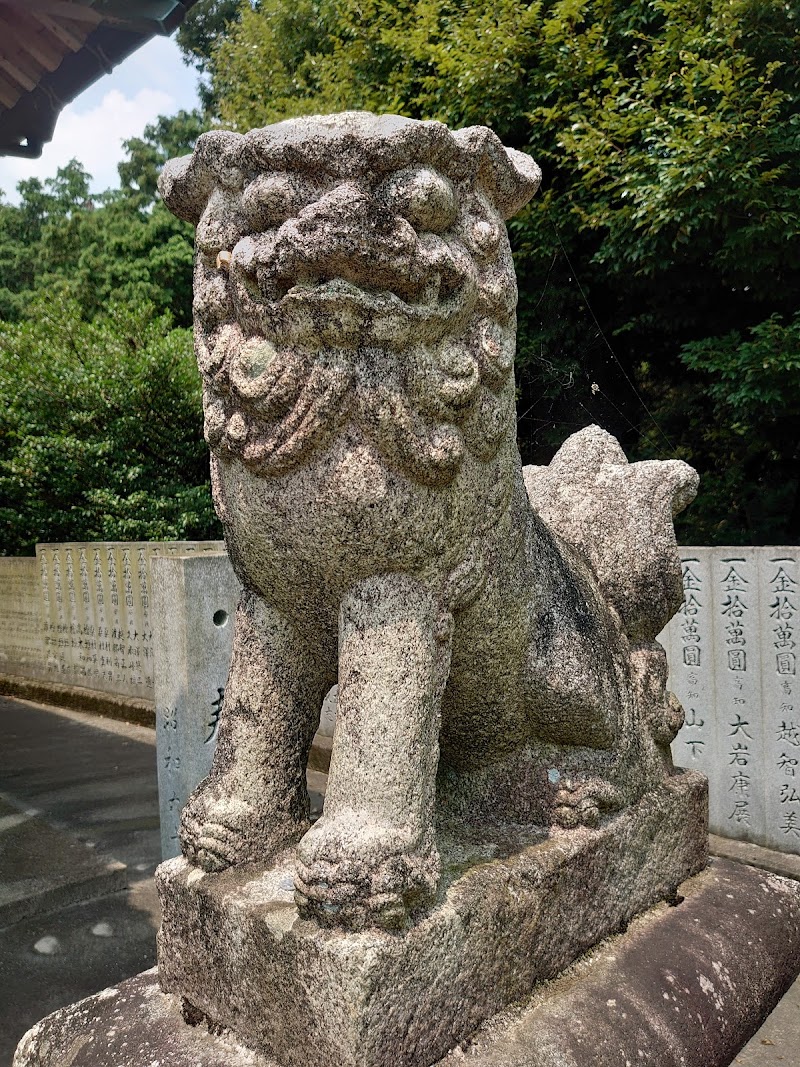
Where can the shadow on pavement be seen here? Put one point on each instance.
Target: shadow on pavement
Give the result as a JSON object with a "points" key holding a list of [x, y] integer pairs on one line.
{"points": [[95, 785]]}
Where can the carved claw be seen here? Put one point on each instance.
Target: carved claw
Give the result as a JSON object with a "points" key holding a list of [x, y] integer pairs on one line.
{"points": [[667, 720], [583, 803], [378, 881], [209, 845], [215, 835]]}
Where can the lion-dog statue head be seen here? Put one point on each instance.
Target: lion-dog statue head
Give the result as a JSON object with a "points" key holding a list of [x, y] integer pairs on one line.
{"points": [[354, 266]]}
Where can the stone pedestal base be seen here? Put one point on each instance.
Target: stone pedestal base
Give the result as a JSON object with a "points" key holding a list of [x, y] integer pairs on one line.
{"points": [[685, 986], [515, 909]]}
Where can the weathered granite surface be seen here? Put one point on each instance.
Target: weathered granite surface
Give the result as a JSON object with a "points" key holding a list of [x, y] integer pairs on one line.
{"points": [[685, 986], [515, 907], [355, 329]]}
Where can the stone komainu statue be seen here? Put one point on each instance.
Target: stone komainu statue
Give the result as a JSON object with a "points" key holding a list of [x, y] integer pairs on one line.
{"points": [[492, 629]]}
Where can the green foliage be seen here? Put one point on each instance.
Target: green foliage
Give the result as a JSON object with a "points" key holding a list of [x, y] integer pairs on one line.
{"points": [[287, 41], [161, 140], [668, 132], [101, 431], [748, 431], [205, 24], [659, 267], [121, 245], [755, 377]]}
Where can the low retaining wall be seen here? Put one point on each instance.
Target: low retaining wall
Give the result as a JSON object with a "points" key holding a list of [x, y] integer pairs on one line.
{"points": [[76, 624], [137, 631]]}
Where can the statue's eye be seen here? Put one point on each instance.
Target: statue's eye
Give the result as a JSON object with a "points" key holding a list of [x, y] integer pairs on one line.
{"points": [[424, 197], [273, 198]]}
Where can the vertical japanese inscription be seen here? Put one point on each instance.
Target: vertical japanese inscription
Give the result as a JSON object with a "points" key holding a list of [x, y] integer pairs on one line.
{"points": [[102, 663], [780, 579], [131, 666], [85, 594], [58, 628], [21, 630], [738, 803], [87, 641], [170, 782], [146, 644], [74, 622], [48, 623], [689, 643], [58, 586]]}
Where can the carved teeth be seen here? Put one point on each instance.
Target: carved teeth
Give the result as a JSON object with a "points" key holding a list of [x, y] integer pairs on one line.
{"points": [[455, 360], [224, 260], [237, 427]]}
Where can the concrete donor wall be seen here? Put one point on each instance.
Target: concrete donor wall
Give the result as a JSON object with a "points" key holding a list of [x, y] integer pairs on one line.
{"points": [[79, 614], [21, 644], [732, 650]]}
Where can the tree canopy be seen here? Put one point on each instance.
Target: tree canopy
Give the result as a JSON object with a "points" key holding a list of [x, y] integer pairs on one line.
{"points": [[667, 131], [658, 266], [101, 425], [122, 244], [102, 430]]}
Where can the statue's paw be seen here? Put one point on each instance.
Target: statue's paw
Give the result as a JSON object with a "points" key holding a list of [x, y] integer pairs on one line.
{"points": [[583, 802], [667, 719], [353, 874], [215, 834]]}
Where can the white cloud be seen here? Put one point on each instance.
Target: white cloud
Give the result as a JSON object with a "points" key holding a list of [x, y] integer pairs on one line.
{"points": [[152, 82], [93, 137]]}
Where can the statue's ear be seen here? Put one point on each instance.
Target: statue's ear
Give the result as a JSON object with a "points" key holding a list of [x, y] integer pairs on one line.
{"points": [[186, 183], [508, 176]]}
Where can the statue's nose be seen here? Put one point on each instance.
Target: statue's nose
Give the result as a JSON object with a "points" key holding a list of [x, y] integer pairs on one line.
{"points": [[348, 233], [350, 208], [347, 200]]}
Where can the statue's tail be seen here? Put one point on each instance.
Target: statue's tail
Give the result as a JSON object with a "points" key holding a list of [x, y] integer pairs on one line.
{"points": [[619, 515]]}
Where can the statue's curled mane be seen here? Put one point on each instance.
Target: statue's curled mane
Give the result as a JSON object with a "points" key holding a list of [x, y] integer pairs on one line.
{"points": [[381, 236]]}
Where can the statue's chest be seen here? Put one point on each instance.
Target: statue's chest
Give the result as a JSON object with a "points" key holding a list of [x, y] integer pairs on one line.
{"points": [[348, 504]]}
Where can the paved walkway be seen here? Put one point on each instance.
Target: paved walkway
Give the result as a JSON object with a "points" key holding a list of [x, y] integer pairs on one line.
{"points": [[96, 779]]}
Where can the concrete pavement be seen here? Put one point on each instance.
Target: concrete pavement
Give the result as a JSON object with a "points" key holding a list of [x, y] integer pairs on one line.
{"points": [[95, 780]]}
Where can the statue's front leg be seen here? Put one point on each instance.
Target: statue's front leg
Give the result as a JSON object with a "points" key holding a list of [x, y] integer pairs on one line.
{"points": [[255, 800], [372, 857]]}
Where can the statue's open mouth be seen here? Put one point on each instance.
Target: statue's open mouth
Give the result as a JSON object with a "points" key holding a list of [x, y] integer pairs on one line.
{"points": [[343, 289], [375, 308], [290, 289], [338, 290], [294, 293]]}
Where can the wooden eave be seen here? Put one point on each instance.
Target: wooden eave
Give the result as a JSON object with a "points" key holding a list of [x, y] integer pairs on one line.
{"points": [[51, 50]]}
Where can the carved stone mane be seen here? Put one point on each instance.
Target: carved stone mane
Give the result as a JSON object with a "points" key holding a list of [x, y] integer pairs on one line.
{"points": [[356, 269]]}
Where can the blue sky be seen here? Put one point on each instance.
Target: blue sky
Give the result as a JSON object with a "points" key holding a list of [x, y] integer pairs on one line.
{"points": [[153, 81]]}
